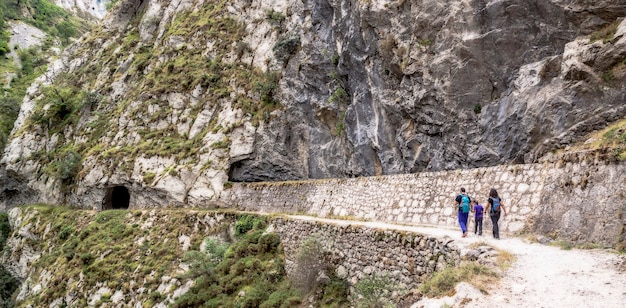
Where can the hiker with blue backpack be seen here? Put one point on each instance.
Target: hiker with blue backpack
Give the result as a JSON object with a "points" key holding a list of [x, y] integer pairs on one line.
{"points": [[495, 207], [463, 205]]}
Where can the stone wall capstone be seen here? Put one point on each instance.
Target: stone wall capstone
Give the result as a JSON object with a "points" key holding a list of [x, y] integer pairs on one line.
{"points": [[578, 198]]}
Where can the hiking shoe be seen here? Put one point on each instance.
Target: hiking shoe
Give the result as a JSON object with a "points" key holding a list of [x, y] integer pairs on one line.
{"points": [[464, 234]]}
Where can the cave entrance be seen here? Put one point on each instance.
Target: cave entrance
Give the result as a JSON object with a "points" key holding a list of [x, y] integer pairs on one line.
{"points": [[117, 198]]}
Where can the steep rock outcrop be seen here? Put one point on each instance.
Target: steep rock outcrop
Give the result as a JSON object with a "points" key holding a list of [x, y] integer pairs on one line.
{"points": [[172, 99], [85, 8]]}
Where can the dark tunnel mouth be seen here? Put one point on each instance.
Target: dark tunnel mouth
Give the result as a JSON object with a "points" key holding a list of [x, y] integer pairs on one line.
{"points": [[117, 198]]}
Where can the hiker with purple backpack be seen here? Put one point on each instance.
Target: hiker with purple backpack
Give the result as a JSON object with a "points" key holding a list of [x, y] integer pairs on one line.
{"points": [[477, 209]]}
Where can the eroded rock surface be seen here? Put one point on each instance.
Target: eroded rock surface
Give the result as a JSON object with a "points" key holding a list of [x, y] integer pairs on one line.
{"points": [[179, 97]]}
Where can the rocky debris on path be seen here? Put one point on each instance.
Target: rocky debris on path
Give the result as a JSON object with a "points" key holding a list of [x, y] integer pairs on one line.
{"points": [[483, 254], [620, 263], [464, 293]]}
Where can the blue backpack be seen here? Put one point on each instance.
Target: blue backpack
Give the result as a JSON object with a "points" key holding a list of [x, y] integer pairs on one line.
{"points": [[495, 207], [465, 203]]}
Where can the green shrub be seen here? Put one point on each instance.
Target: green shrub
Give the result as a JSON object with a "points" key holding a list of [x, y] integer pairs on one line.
{"points": [[62, 105], [478, 109], [274, 16], [149, 177], [65, 232], [339, 96], [341, 124], [267, 86], [605, 34], [109, 5], [4, 42], [5, 228], [282, 298], [105, 217], [30, 58], [335, 293], [286, 47], [66, 30], [253, 297], [608, 76], [250, 274], [216, 249], [86, 258], [8, 283], [425, 42], [201, 265], [565, 245], [156, 297], [334, 59], [9, 108], [443, 282], [8, 286], [65, 166], [249, 222], [374, 291]]}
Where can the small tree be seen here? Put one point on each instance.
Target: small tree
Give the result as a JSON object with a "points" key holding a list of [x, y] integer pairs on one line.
{"points": [[374, 292], [309, 263]]}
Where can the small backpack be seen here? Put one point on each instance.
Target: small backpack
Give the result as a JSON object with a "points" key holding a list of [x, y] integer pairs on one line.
{"points": [[465, 203], [495, 205]]}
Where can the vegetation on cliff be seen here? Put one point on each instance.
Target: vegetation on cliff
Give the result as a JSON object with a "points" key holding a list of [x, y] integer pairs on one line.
{"points": [[59, 26], [84, 97], [611, 140], [8, 283], [175, 257]]}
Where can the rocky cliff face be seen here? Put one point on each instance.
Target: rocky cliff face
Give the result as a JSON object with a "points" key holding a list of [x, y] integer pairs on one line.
{"points": [[86, 8], [172, 99]]}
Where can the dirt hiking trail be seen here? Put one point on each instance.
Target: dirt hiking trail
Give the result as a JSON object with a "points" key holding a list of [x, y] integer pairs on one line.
{"points": [[540, 276]]}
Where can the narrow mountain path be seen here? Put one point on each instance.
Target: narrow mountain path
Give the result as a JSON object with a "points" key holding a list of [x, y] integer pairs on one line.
{"points": [[541, 276]]}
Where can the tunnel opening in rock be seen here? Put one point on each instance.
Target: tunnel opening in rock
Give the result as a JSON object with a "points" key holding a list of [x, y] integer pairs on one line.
{"points": [[117, 198], [234, 172]]}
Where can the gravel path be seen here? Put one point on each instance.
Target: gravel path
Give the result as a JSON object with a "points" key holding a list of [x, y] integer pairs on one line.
{"points": [[541, 276], [546, 276]]}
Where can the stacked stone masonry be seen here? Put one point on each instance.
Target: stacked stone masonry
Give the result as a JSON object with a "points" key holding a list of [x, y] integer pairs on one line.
{"points": [[356, 252], [578, 198]]}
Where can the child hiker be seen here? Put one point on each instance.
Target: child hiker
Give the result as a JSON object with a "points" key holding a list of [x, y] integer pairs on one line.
{"points": [[478, 210]]}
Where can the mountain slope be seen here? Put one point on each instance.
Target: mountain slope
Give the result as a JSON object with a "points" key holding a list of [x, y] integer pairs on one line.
{"points": [[173, 99]]}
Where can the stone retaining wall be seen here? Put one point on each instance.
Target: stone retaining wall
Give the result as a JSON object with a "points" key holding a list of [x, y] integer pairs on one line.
{"points": [[357, 252], [580, 198]]}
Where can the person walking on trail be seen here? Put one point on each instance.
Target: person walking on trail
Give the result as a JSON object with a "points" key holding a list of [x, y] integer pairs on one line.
{"points": [[477, 209], [463, 205], [495, 207]]}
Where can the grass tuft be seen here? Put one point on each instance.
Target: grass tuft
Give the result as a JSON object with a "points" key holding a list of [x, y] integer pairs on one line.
{"points": [[443, 282]]}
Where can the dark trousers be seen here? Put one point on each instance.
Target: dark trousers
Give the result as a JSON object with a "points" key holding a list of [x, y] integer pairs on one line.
{"points": [[478, 225], [495, 216]]}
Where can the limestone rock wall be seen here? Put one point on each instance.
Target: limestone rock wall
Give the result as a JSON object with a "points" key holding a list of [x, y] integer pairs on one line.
{"points": [[172, 99], [582, 199], [96, 9]]}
